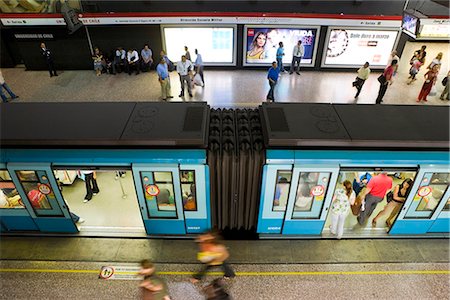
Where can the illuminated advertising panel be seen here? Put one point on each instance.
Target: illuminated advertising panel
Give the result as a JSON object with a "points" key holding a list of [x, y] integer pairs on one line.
{"points": [[354, 47], [261, 44], [215, 44]]}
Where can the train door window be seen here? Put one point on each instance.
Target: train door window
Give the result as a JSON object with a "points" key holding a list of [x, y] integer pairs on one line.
{"points": [[9, 197], [283, 184], [311, 190], [39, 194], [159, 194], [447, 205], [187, 178], [430, 193]]}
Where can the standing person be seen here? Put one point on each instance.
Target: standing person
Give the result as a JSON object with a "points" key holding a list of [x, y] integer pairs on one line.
{"points": [[164, 79], [436, 61], [48, 56], [98, 61], [257, 47], [340, 207], [414, 70], [119, 60], [272, 76], [430, 80], [445, 83], [199, 65], [169, 63], [385, 79], [153, 287], [374, 193], [90, 179], [212, 254], [363, 74], [395, 200], [184, 67], [132, 61], [298, 53], [3, 85], [393, 56], [187, 54], [280, 54], [147, 58], [421, 54]]}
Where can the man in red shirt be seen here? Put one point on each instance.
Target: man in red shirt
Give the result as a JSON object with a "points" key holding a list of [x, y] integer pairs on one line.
{"points": [[375, 191], [387, 74]]}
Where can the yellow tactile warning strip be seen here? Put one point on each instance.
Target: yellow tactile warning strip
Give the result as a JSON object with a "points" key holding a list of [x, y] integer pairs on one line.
{"points": [[307, 273]]}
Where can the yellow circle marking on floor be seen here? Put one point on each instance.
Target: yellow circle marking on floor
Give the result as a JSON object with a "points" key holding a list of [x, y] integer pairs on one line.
{"points": [[400, 272]]}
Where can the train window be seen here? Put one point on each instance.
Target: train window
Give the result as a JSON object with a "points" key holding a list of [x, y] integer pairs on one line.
{"points": [[166, 196], [307, 183], [37, 193], [9, 197], [188, 190], [447, 205], [159, 194], [431, 191], [282, 187]]}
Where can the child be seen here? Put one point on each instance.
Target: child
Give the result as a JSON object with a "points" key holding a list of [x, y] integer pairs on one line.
{"points": [[415, 67]]}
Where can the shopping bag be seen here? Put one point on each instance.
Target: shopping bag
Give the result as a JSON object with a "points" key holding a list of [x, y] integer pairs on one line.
{"points": [[433, 91], [198, 80]]}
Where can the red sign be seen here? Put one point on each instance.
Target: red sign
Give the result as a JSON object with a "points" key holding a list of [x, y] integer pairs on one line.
{"points": [[250, 32], [152, 190], [424, 191], [318, 190]]}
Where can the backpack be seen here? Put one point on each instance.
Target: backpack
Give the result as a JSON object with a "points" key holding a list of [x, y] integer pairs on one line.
{"points": [[390, 196], [445, 81]]}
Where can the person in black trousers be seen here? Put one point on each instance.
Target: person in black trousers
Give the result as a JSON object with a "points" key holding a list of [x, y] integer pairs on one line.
{"points": [[91, 184], [48, 56]]}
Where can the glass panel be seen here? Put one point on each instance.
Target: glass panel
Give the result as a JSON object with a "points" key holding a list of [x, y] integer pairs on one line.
{"points": [[447, 205], [162, 176], [430, 195], [304, 198], [165, 198], [188, 190], [36, 6], [9, 197], [159, 194], [282, 187], [27, 175], [37, 199]]}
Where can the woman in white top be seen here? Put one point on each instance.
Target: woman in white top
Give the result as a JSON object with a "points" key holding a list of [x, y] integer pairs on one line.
{"points": [[436, 61], [343, 198]]}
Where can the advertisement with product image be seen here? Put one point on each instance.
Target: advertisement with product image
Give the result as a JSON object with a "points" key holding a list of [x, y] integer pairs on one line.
{"points": [[352, 48], [262, 44]]}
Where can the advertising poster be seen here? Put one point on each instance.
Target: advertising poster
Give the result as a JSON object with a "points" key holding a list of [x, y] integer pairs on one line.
{"points": [[215, 44], [352, 48], [262, 44]]}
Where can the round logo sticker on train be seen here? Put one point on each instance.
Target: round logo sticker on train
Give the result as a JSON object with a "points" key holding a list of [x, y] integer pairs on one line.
{"points": [[424, 191], [317, 190], [152, 190], [44, 189]]}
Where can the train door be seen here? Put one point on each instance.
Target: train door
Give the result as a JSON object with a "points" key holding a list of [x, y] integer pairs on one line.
{"points": [[425, 202], [309, 198], [40, 194]]}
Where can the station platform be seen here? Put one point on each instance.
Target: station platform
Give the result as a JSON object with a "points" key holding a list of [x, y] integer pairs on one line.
{"points": [[60, 268]]}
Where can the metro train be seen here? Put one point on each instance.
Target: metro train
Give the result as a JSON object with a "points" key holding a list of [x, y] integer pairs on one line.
{"points": [[178, 169]]}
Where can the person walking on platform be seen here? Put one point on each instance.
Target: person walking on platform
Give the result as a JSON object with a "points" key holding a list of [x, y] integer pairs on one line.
{"points": [[48, 56], [153, 287], [187, 53], [3, 85], [212, 254], [340, 207], [298, 53], [280, 54], [363, 74], [90, 179], [430, 81], [374, 193], [272, 76], [184, 67], [395, 200], [385, 79], [199, 66], [164, 79]]}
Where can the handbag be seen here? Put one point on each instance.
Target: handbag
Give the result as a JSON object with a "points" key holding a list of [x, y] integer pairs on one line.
{"points": [[389, 196], [444, 81], [356, 207], [433, 91], [382, 79]]}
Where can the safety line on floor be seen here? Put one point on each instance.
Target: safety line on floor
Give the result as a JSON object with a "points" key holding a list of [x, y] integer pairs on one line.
{"points": [[294, 273]]}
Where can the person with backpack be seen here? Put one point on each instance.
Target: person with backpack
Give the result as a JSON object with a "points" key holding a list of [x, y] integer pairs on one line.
{"points": [[342, 200], [395, 200]]}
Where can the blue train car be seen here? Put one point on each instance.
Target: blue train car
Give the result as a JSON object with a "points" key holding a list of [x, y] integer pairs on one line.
{"points": [[314, 148], [105, 169]]}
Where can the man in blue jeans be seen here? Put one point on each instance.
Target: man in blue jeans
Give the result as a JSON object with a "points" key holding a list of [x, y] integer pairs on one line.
{"points": [[280, 54], [272, 76], [3, 85]]}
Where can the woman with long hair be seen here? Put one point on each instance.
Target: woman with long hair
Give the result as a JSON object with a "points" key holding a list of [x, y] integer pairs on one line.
{"points": [[430, 80], [257, 47], [395, 200], [343, 198]]}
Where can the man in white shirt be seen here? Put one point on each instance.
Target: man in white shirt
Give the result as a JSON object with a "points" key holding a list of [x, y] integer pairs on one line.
{"points": [[132, 61], [184, 67], [297, 53], [363, 74], [120, 59], [199, 65], [3, 85]]}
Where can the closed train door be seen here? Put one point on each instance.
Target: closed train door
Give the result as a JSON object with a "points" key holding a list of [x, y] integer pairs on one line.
{"points": [[425, 203], [41, 196]]}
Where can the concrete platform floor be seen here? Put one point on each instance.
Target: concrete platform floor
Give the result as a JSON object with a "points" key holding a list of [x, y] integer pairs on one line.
{"points": [[224, 88], [78, 280], [245, 251]]}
